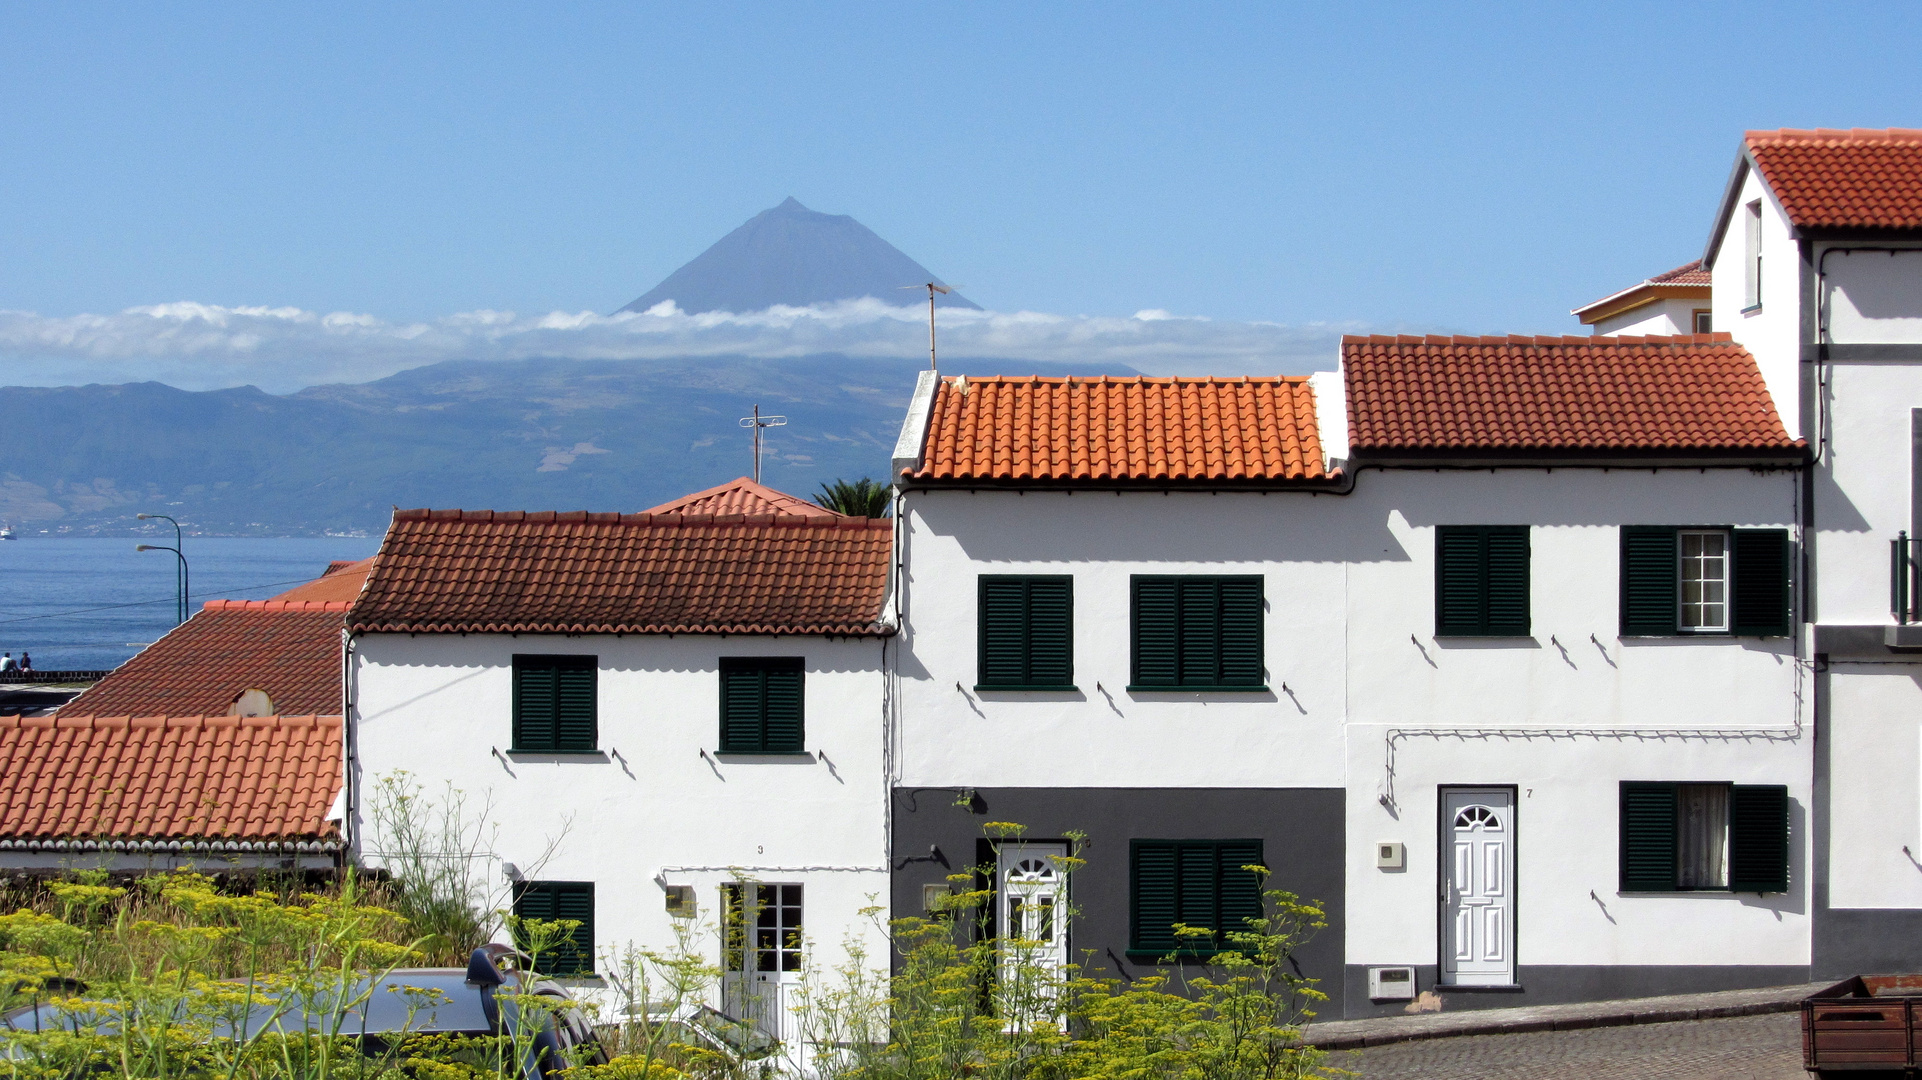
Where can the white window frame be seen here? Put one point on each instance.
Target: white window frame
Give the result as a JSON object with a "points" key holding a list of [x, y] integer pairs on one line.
{"points": [[1682, 580], [1697, 317], [1752, 256]]}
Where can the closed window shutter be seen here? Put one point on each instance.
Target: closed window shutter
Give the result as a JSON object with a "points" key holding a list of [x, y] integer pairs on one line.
{"points": [[1050, 631], [1761, 583], [1241, 632], [552, 900], [1758, 838], [1198, 891], [1240, 889], [1200, 637], [1650, 568], [535, 683], [1152, 907], [1459, 581], [1156, 631], [574, 707], [762, 705], [1506, 575], [1004, 631], [1648, 837], [783, 729]]}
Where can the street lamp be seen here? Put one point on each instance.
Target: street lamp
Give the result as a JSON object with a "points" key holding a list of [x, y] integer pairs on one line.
{"points": [[182, 592]]}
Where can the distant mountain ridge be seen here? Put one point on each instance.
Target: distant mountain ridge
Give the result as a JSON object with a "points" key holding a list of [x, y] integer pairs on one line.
{"points": [[795, 256], [519, 435]]}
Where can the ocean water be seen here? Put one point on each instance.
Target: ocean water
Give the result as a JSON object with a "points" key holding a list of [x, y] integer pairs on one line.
{"points": [[87, 603]]}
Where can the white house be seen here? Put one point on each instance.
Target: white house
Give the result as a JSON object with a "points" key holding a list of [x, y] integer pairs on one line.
{"points": [[1670, 303], [668, 715], [1816, 255], [1544, 603]]}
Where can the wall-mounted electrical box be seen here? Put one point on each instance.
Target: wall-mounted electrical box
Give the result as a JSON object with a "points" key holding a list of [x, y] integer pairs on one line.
{"points": [[933, 897], [1390, 854], [680, 901], [1391, 983]]}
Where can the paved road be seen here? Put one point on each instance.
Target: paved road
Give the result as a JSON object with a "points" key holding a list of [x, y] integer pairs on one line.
{"points": [[1738, 1048]]}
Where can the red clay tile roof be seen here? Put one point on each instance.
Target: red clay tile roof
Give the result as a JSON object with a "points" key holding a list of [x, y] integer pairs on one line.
{"points": [[1689, 273], [290, 649], [342, 581], [743, 496], [1861, 178], [1133, 429], [574, 573], [1557, 393], [168, 777], [1686, 280]]}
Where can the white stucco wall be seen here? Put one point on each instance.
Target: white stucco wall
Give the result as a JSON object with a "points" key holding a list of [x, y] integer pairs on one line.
{"points": [[1663, 317], [1871, 296], [1862, 485], [1771, 332], [1875, 789], [1350, 631], [659, 800]]}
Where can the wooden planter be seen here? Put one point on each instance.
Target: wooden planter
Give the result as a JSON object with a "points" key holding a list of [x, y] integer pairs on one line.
{"points": [[1863, 1024]]}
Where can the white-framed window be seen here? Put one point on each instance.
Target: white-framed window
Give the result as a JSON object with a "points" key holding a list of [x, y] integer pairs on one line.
{"points": [[1704, 594], [1752, 255], [1704, 321]]}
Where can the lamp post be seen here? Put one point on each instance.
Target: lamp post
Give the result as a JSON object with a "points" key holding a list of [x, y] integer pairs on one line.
{"points": [[182, 592]]}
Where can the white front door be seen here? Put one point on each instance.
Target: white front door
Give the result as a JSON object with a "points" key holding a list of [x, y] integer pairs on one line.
{"points": [[1478, 888], [1032, 923], [762, 953]]}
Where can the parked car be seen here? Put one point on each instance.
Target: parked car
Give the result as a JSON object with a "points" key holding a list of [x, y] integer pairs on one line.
{"points": [[410, 1001]]}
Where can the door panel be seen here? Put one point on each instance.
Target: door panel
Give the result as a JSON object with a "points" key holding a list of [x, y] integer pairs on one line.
{"points": [[1478, 829]]}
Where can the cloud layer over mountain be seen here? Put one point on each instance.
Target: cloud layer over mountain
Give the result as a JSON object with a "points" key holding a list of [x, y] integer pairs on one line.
{"points": [[206, 346]]}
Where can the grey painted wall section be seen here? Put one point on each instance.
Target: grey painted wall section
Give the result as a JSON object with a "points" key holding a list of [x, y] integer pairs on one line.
{"points": [[1301, 830]]}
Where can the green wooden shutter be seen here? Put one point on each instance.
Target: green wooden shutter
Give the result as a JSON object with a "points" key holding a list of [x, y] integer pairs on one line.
{"points": [[1648, 837], [1050, 631], [551, 900], [1758, 838], [1152, 903], [1651, 566], [1197, 891], [1199, 641], [1241, 632], [1760, 583], [1156, 631], [1003, 631], [1240, 889], [1506, 578], [783, 729], [535, 699], [743, 694], [1459, 580], [575, 704]]}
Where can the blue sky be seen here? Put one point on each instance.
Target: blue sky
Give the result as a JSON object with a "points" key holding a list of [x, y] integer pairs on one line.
{"points": [[1402, 167]]}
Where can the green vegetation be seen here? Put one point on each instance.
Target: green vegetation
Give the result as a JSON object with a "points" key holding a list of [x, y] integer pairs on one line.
{"points": [[861, 498], [171, 977]]}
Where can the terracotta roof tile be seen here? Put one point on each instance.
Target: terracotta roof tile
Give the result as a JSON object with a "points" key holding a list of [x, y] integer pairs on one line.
{"points": [[1861, 178], [743, 496], [173, 777], [1557, 393], [1689, 273], [515, 572], [1687, 280], [1093, 429], [342, 581], [290, 649]]}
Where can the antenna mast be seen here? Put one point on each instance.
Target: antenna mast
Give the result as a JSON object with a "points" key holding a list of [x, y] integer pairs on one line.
{"points": [[932, 289], [757, 422]]}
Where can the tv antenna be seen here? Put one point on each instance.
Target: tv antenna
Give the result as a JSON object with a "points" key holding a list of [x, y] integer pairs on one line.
{"points": [[757, 422], [932, 289]]}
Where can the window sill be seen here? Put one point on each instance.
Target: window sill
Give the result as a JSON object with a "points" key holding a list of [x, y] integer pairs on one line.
{"points": [[1493, 635], [524, 754], [1752, 309], [1030, 688], [1136, 689], [753, 755]]}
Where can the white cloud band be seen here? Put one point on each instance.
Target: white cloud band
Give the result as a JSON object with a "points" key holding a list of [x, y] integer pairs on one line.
{"points": [[203, 346]]}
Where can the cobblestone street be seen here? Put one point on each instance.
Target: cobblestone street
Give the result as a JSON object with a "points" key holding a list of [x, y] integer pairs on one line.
{"points": [[1767, 1047]]}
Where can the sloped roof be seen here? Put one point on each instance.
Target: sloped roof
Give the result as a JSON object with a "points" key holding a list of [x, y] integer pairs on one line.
{"points": [[1835, 179], [1700, 392], [1252, 428], [516, 572], [341, 581], [168, 777], [288, 648], [1687, 280], [743, 496]]}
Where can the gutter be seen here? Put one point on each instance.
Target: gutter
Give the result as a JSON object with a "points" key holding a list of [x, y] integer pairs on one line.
{"points": [[180, 847]]}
